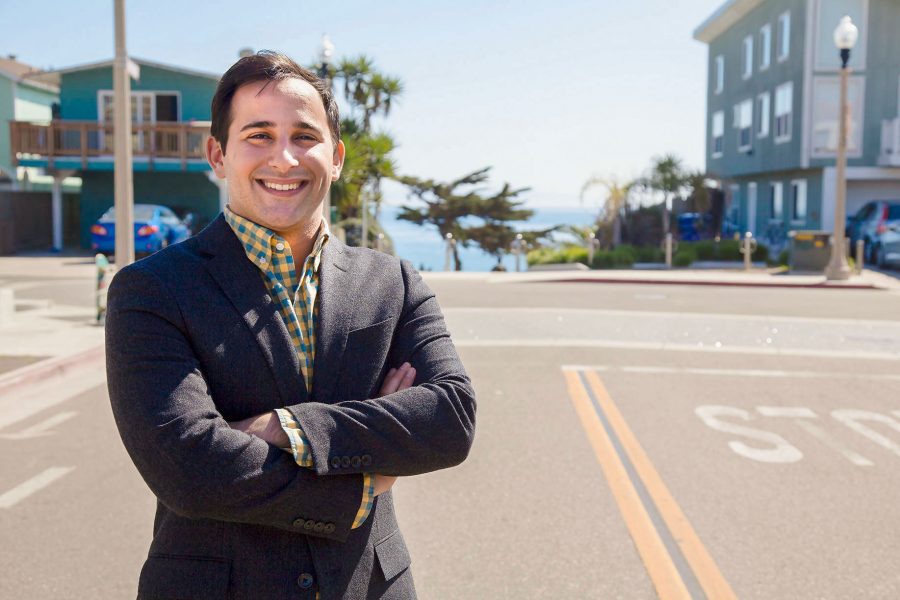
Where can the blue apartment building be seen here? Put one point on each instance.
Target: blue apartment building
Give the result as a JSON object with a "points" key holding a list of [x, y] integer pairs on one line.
{"points": [[773, 106]]}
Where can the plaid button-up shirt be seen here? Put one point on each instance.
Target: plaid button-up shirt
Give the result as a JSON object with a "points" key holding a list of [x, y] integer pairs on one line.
{"points": [[296, 300]]}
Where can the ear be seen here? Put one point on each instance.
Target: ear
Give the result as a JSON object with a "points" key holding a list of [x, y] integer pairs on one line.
{"points": [[215, 156], [337, 163]]}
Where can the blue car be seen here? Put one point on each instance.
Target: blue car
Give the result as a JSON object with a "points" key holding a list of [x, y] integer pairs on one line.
{"points": [[155, 227]]}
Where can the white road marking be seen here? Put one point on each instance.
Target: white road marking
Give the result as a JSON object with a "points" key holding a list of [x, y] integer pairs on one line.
{"points": [[780, 452], [42, 428], [19, 405], [763, 373], [36, 483], [791, 412], [853, 419], [819, 433]]}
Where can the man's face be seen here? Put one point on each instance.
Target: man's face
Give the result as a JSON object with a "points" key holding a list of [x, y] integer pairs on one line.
{"points": [[280, 160]]}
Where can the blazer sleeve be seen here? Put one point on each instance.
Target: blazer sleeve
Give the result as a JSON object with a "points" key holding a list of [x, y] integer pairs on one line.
{"points": [[183, 448], [424, 428]]}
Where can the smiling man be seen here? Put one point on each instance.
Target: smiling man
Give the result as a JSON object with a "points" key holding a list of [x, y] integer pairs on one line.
{"points": [[269, 383]]}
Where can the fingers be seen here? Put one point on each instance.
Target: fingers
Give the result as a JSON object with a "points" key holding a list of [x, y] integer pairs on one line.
{"points": [[398, 379]]}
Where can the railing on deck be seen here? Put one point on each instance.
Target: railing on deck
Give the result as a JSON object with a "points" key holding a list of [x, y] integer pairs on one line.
{"points": [[890, 143], [86, 139]]}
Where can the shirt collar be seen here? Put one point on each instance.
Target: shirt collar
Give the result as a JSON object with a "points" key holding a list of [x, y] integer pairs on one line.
{"points": [[259, 242]]}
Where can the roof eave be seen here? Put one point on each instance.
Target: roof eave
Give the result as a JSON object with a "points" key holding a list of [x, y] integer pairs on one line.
{"points": [[724, 17]]}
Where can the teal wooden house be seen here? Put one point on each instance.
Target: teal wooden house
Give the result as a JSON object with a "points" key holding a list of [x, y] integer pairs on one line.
{"points": [[773, 105], [170, 111]]}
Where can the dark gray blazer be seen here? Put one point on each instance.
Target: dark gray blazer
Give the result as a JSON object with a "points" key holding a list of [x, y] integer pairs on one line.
{"points": [[193, 340]]}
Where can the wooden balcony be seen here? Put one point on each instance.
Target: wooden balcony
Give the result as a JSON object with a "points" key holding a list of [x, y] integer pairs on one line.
{"points": [[890, 143], [89, 141]]}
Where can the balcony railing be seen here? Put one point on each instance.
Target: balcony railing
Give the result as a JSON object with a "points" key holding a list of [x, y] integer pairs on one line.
{"points": [[890, 143], [171, 142]]}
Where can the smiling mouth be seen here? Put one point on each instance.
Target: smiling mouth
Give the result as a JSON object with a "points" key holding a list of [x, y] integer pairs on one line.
{"points": [[281, 188]]}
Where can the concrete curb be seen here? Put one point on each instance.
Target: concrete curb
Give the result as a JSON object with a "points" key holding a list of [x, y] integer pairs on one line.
{"points": [[51, 367], [817, 286]]}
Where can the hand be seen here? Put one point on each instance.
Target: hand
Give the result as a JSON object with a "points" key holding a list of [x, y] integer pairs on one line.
{"points": [[398, 379], [266, 426], [383, 483]]}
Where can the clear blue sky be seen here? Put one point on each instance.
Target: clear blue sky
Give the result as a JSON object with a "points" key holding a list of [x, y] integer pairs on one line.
{"points": [[549, 93]]}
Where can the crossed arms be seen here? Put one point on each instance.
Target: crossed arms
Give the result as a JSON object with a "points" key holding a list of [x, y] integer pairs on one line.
{"points": [[200, 467]]}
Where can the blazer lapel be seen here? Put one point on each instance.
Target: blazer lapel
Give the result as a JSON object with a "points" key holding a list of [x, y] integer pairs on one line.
{"points": [[241, 281], [336, 298]]}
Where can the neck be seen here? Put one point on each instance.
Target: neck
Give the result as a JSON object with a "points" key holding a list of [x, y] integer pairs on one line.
{"points": [[301, 239]]}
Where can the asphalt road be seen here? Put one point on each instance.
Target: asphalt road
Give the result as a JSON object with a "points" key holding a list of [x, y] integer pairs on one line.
{"points": [[633, 442]]}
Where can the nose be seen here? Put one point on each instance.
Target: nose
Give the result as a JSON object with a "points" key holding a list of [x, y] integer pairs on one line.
{"points": [[283, 158]]}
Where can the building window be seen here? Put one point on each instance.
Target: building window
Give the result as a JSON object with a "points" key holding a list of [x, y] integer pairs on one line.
{"points": [[718, 133], [776, 201], [743, 121], [784, 101], [765, 47], [798, 200], [762, 102], [748, 57], [784, 36], [720, 74]]}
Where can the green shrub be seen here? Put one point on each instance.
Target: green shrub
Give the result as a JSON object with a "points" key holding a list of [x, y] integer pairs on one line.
{"points": [[784, 257], [649, 254], [684, 257], [624, 256]]}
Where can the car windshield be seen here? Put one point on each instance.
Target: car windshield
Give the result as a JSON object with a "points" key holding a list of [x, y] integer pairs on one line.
{"points": [[142, 212], [893, 212]]}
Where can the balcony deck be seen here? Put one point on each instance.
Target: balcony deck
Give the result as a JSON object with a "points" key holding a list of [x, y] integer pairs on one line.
{"points": [[89, 145]]}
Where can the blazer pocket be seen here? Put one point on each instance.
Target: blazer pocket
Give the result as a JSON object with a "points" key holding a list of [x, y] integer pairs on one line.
{"points": [[184, 578], [393, 557]]}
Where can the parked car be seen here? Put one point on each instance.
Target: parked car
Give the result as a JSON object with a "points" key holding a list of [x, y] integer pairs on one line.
{"points": [[870, 223], [155, 227], [887, 251]]}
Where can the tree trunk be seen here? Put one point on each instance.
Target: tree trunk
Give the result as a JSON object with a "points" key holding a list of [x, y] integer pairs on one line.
{"points": [[617, 231]]}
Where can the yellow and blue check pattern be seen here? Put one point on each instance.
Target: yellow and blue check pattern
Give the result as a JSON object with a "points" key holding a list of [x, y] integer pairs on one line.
{"points": [[296, 299]]}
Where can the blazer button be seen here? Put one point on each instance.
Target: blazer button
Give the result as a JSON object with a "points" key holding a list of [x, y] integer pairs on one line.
{"points": [[329, 528], [320, 527], [299, 523], [305, 581], [356, 461], [336, 462], [309, 525], [345, 461], [366, 460]]}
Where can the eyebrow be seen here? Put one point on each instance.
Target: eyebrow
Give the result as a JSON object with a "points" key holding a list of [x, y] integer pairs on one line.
{"points": [[270, 124]]}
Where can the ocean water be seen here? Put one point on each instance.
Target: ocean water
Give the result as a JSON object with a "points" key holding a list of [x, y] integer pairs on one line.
{"points": [[424, 248]]}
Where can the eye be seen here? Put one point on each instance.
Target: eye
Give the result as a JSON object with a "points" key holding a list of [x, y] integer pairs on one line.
{"points": [[307, 137], [258, 136]]}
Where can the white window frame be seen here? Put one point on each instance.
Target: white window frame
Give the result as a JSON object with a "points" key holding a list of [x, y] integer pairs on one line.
{"points": [[784, 36], [784, 136], [764, 108], [765, 46], [799, 198], [152, 94], [743, 112], [776, 201], [719, 68], [747, 57], [718, 116]]}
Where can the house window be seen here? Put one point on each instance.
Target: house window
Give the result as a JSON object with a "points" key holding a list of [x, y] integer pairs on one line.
{"points": [[718, 133], [762, 103], [776, 201], [743, 115], [784, 36], [798, 200], [720, 74], [765, 47], [747, 57], [784, 101]]}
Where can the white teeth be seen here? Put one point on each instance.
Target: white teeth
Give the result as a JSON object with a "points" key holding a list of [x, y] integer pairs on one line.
{"points": [[281, 187]]}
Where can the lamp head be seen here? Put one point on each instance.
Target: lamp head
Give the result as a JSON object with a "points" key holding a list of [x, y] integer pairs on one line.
{"points": [[846, 34], [327, 51]]}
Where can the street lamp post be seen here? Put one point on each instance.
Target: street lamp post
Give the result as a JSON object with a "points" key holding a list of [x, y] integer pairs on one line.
{"points": [[124, 185], [844, 38], [326, 52]]}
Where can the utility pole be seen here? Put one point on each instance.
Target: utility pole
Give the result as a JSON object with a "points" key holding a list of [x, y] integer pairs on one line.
{"points": [[124, 183]]}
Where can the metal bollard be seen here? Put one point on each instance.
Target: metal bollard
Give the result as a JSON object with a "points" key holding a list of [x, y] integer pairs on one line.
{"points": [[592, 244], [860, 255], [517, 246], [379, 242], [748, 247], [103, 272], [448, 251]]}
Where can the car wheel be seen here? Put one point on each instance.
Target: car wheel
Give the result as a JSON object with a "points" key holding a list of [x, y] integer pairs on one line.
{"points": [[878, 251]]}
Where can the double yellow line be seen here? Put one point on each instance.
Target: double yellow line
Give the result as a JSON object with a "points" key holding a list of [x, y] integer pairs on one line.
{"points": [[606, 429]]}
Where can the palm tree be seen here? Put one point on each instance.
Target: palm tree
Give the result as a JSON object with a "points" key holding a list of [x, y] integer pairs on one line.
{"points": [[667, 175], [615, 203]]}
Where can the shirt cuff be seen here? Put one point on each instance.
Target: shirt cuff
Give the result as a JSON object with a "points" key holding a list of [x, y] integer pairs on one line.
{"points": [[368, 499], [299, 444]]}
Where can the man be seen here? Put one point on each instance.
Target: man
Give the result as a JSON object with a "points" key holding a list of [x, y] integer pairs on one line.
{"points": [[268, 382]]}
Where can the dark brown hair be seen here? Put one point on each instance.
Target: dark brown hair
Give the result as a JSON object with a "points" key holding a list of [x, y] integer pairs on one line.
{"points": [[267, 65]]}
